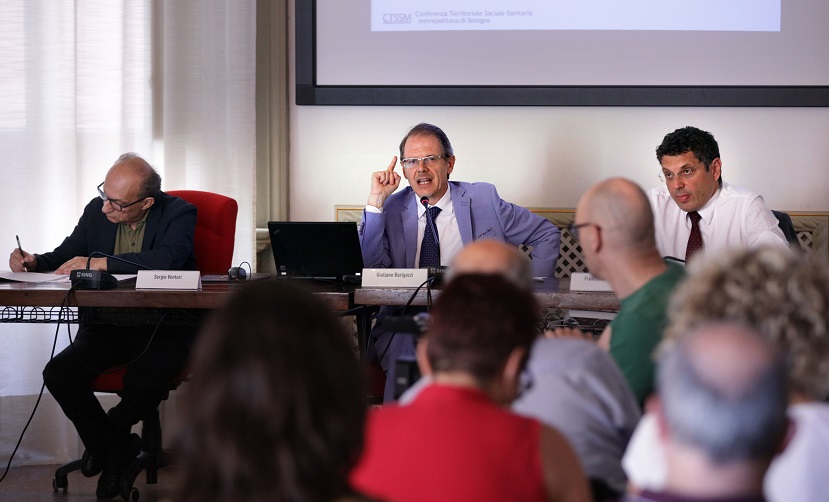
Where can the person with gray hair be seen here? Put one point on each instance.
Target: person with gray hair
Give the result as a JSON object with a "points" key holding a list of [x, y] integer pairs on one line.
{"points": [[784, 296], [721, 411], [134, 220], [490, 256]]}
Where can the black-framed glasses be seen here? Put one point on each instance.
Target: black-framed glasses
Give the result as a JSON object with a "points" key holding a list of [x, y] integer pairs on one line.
{"points": [[121, 206], [574, 228], [428, 161]]}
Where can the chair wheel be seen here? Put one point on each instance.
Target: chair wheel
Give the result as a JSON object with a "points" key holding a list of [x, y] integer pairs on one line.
{"points": [[133, 495], [59, 483]]}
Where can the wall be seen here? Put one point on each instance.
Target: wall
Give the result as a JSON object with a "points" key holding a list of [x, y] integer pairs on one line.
{"points": [[549, 156]]}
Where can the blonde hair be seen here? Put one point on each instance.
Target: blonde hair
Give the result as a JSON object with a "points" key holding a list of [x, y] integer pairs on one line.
{"points": [[783, 295]]}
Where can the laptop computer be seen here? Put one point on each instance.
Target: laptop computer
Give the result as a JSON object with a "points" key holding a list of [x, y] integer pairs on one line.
{"points": [[316, 250]]}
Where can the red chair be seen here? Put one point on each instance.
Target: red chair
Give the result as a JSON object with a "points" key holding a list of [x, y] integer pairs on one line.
{"points": [[213, 244], [215, 229]]}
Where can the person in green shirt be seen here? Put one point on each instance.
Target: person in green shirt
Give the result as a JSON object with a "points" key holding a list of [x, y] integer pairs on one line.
{"points": [[614, 225]]}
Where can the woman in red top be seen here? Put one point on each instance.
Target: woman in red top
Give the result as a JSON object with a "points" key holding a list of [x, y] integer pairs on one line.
{"points": [[457, 440]]}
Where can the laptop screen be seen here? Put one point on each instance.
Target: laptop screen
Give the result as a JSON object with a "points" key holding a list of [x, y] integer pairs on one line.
{"points": [[315, 250]]}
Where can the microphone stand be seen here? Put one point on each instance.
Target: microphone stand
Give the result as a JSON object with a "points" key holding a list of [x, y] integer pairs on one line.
{"points": [[98, 279]]}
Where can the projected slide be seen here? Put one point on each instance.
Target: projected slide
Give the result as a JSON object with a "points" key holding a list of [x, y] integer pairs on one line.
{"points": [[675, 15]]}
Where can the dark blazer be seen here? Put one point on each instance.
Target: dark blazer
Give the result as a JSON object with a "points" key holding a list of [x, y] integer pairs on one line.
{"points": [[168, 238]]}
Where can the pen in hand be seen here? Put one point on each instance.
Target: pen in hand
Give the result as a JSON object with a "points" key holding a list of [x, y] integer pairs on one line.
{"points": [[20, 248]]}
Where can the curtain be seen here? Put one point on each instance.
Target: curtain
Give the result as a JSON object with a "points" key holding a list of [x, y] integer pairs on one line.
{"points": [[82, 82]]}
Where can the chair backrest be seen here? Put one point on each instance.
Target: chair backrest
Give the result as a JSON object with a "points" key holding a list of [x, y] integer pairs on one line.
{"points": [[784, 221], [215, 229]]}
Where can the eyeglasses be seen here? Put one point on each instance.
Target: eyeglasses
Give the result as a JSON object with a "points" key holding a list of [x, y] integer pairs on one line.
{"points": [[119, 205], [428, 161], [683, 174], [574, 228]]}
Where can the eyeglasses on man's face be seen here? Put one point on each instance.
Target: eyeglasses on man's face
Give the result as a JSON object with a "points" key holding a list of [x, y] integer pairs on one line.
{"points": [[683, 174], [116, 204], [428, 161], [574, 228]]}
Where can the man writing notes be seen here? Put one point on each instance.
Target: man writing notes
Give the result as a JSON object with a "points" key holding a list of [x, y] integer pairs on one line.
{"points": [[136, 221], [396, 231], [696, 210]]}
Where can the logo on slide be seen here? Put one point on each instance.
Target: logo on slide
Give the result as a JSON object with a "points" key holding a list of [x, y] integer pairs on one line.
{"points": [[397, 18]]}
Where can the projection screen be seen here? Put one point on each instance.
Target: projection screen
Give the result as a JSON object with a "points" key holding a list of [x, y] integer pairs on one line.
{"points": [[559, 52]]}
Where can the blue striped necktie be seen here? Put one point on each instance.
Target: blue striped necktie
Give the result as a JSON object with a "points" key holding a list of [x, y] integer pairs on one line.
{"points": [[429, 248]]}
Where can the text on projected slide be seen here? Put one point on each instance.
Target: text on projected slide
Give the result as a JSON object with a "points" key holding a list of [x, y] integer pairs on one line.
{"points": [[678, 15]]}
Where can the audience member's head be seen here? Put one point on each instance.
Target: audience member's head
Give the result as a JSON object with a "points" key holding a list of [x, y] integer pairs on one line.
{"points": [[276, 407], [722, 389], [722, 410], [490, 256], [783, 295], [482, 327], [613, 223]]}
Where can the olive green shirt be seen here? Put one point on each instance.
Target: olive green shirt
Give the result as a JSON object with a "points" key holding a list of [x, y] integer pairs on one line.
{"points": [[128, 240]]}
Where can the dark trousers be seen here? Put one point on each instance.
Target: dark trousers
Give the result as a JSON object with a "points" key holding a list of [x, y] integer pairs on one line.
{"points": [[96, 348], [389, 346]]}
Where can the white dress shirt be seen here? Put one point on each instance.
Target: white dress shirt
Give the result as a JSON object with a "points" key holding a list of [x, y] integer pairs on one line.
{"points": [[734, 218], [798, 473]]}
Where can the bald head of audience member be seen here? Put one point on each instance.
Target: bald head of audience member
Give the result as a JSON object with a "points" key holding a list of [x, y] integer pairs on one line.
{"points": [[614, 225], [489, 256], [721, 409]]}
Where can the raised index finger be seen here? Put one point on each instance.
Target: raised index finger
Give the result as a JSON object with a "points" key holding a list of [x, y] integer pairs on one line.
{"points": [[392, 164]]}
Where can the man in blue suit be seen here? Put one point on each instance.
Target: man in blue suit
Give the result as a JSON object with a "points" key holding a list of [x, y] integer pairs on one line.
{"points": [[396, 227]]}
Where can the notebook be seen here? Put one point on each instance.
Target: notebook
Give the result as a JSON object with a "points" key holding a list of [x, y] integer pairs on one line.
{"points": [[316, 250]]}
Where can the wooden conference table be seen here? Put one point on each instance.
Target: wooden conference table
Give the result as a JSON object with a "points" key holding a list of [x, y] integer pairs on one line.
{"points": [[551, 292], [212, 295], [41, 302], [339, 297]]}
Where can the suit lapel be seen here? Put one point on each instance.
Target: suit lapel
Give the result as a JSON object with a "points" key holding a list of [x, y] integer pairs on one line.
{"points": [[408, 221], [463, 212], [105, 237], [153, 219]]}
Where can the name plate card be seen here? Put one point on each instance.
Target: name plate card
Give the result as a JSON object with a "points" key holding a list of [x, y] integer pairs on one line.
{"points": [[168, 279], [582, 281], [394, 277]]}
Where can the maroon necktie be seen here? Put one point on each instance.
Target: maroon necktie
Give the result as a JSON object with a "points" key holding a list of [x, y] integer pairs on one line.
{"points": [[695, 239]]}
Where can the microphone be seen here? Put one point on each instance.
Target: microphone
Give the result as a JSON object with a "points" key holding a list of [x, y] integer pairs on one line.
{"points": [[98, 279]]}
